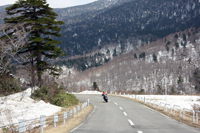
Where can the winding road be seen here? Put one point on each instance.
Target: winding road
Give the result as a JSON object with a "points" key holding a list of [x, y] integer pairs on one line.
{"points": [[122, 115]]}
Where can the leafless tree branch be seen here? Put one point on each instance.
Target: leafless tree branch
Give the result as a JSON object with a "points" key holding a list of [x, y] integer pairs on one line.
{"points": [[13, 40]]}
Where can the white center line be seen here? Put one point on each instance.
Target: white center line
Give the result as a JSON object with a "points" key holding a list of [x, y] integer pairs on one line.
{"points": [[115, 103], [125, 113], [139, 131], [121, 108], [131, 123]]}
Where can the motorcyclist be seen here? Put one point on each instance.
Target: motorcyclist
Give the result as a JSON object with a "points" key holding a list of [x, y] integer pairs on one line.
{"points": [[104, 94]]}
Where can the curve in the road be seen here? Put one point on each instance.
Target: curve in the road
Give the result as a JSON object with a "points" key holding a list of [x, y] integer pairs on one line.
{"points": [[136, 118]]}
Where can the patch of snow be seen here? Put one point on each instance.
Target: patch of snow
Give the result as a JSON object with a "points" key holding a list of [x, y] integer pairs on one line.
{"points": [[75, 35], [21, 106], [99, 42], [181, 100], [89, 92], [193, 7]]}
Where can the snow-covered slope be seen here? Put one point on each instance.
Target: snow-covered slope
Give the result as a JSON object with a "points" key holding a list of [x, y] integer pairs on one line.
{"points": [[21, 106]]}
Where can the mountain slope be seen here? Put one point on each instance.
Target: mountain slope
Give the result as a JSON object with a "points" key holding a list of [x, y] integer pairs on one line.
{"points": [[175, 57], [134, 22], [76, 14]]}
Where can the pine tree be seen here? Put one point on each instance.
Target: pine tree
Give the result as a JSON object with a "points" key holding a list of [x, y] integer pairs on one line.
{"points": [[176, 36], [95, 86], [37, 15], [115, 52], [143, 55], [135, 55], [155, 57], [184, 37]]}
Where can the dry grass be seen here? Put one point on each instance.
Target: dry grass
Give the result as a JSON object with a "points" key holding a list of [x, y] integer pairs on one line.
{"points": [[188, 120], [70, 124]]}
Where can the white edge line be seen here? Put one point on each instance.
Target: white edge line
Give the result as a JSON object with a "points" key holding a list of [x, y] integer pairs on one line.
{"points": [[132, 124], [83, 121], [125, 113], [157, 112], [166, 116], [149, 108], [139, 131]]}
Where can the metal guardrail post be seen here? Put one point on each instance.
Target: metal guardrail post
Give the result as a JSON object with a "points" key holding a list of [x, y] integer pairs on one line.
{"points": [[177, 106], [42, 122], [170, 107], [197, 118], [22, 126], [55, 119], [78, 108], [161, 104], [64, 117], [74, 111], [154, 104], [70, 114], [188, 110]]}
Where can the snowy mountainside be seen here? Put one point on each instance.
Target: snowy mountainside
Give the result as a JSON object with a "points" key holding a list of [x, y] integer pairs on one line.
{"points": [[175, 57], [95, 8], [141, 21]]}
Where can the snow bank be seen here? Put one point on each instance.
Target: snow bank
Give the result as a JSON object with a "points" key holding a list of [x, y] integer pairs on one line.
{"points": [[181, 100], [21, 106], [89, 92]]}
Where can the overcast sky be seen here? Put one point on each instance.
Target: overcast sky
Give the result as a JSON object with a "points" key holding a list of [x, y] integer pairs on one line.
{"points": [[54, 3]]}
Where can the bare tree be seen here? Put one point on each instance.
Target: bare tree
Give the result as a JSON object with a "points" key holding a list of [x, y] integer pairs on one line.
{"points": [[11, 44]]}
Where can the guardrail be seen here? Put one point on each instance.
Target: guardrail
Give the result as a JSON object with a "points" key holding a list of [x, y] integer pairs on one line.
{"points": [[197, 118], [155, 103], [173, 110], [188, 115], [168, 106], [161, 104], [31, 124]]}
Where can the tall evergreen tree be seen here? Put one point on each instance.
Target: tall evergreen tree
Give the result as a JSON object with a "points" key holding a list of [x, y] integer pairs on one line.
{"points": [[95, 86], [135, 55], [155, 57], [44, 28]]}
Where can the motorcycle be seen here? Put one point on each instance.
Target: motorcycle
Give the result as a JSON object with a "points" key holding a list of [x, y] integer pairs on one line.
{"points": [[105, 98]]}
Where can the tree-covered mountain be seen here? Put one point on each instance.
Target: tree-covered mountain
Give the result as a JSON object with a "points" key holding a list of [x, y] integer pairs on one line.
{"points": [[107, 28], [84, 12], [135, 23], [174, 57]]}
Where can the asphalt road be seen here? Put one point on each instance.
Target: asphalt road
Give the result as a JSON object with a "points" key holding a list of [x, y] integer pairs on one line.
{"points": [[122, 115]]}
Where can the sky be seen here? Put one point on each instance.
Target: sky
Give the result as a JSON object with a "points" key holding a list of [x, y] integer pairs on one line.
{"points": [[54, 3]]}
